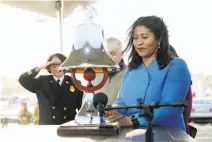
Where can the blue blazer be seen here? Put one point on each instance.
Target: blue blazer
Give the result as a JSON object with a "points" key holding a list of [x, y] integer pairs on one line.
{"points": [[152, 84]]}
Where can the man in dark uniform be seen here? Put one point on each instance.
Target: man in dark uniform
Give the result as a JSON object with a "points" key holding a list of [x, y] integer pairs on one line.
{"points": [[57, 96]]}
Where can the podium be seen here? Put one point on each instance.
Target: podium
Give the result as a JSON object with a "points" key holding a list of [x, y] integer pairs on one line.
{"points": [[44, 132]]}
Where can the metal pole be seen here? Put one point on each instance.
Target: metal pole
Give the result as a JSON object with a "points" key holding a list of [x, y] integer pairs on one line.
{"points": [[59, 7]]}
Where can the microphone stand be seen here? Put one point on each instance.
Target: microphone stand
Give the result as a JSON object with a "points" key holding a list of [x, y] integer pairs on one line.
{"points": [[148, 113], [101, 109]]}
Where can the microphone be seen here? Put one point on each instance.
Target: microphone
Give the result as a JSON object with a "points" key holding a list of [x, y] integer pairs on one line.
{"points": [[100, 101]]}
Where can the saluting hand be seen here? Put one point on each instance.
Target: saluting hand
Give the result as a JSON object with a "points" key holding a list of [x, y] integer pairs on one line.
{"points": [[43, 66]]}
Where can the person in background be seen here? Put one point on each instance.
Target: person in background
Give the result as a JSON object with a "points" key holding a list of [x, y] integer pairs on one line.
{"points": [[25, 116], [112, 86], [36, 115], [4, 122], [58, 98]]}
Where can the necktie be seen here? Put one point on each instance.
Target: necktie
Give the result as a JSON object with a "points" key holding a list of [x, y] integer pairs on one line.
{"points": [[58, 82]]}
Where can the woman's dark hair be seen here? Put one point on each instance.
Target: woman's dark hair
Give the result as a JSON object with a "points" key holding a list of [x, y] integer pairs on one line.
{"points": [[159, 29], [172, 51], [58, 55]]}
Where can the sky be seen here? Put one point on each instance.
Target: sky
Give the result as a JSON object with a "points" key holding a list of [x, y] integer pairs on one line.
{"points": [[27, 39]]}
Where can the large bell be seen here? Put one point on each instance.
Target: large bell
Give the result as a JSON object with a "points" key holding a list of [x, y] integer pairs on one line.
{"points": [[88, 57], [88, 50]]}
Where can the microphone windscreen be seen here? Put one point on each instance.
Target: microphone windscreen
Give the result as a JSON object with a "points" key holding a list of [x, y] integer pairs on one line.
{"points": [[100, 97]]}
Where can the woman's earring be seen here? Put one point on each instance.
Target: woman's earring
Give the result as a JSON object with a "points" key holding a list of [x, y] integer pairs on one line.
{"points": [[158, 45]]}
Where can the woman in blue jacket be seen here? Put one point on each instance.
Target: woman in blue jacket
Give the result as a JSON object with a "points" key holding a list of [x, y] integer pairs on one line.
{"points": [[153, 74]]}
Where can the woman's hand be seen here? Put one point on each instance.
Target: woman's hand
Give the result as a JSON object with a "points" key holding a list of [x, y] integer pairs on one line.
{"points": [[113, 115], [125, 121]]}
